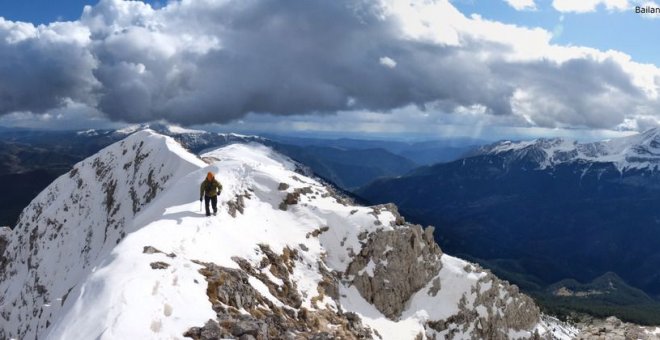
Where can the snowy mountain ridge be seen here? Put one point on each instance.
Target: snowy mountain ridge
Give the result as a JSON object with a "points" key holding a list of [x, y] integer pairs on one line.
{"points": [[165, 129], [640, 151], [195, 140], [75, 222], [117, 248]]}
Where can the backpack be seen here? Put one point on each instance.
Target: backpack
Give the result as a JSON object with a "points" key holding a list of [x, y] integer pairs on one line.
{"points": [[210, 185]]}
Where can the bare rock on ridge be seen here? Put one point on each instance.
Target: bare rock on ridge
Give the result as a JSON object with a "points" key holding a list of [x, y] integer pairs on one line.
{"points": [[393, 265]]}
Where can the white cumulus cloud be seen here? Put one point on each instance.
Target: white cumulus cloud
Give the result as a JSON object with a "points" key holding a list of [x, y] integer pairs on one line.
{"points": [[388, 62], [522, 5]]}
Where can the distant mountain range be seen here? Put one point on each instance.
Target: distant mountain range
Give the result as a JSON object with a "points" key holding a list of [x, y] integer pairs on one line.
{"points": [[347, 168], [420, 152], [542, 211]]}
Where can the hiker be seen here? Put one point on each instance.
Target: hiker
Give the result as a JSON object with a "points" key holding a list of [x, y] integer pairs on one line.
{"points": [[210, 189]]}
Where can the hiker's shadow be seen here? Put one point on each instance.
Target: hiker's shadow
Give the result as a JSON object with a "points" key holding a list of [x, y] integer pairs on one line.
{"points": [[179, 216]]}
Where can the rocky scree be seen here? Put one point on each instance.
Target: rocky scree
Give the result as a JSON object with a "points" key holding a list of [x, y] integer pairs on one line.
{"points": [[231, 296]]}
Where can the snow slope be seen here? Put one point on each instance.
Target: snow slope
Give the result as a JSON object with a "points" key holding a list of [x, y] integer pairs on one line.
{"points": [[75, 223], [79, 266]]}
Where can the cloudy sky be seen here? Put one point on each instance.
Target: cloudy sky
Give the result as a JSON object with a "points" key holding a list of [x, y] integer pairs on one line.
{"points": [[487, 69]]}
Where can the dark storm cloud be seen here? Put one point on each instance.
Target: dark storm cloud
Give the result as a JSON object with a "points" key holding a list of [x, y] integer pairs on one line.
{"points": [[197, 62], [38, 74], [308, 56], [578, 92]]}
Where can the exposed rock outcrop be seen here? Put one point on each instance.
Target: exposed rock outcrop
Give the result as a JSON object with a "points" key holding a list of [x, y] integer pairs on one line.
{"points": [[279, 266], [238, 203], [159, 265], [232, 295], [493, 310], [389, 207], [294, 197], [152, 250], [393, 265], [4, 239]]}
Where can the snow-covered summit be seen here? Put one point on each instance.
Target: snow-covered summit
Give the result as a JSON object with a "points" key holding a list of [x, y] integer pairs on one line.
{"points": [[640, 151], [159, 127], [195, 140], [171, 129], [119, 249]]}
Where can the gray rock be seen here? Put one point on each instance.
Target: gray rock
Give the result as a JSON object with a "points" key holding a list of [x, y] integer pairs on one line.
{"points": [[211, 330], [293, 198], [317, 232], [329, 285], [194, 332], [231, 287], [322, 336], [435, 288], [150, 250], [251, 327], [231, 295], [159, 265], [387, 279], [238, 203], [4, 240]]}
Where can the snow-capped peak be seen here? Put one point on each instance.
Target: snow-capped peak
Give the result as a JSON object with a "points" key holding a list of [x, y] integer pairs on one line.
{"points": [[131, 129], [89, 132], [160, 127], [119, 249], [640, 151]]}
